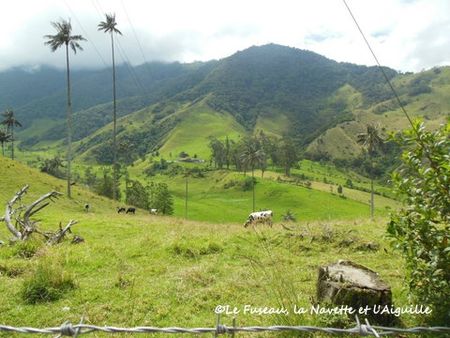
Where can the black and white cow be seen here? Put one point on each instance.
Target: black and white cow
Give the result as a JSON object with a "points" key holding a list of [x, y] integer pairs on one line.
{"points": [[260, 217]]}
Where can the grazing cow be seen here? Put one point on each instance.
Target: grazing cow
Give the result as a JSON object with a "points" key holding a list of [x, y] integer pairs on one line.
{"points": [[120, 210], [259, 217], [131, 211], [86, 207], [153, 211]]}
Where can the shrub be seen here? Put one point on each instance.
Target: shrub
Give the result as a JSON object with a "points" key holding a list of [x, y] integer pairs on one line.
{"points": [[26, 249], [289, 216], [421, 230], [48, 283], [229, 184], [11, 269], [195, 249], [247, 183]]}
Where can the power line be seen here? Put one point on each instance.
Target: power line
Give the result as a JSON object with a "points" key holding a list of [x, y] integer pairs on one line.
{"points": [[379, 65], [85, 33], [99, 9], [134, 32], [96, 8], [129, 66]]}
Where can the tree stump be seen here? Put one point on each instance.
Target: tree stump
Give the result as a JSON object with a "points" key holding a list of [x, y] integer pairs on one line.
{"points": [[348, 283]]}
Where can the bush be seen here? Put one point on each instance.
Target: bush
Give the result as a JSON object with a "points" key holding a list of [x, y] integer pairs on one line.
{"points": [[195, 249], [247, 183], [12, 269], [289, 216], [421, 230], [26, 249], [48, 283]]}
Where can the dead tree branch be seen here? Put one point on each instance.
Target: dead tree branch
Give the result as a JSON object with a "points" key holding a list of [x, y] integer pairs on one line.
{"points": [[18, 217], [10, 212], [59, 235]]}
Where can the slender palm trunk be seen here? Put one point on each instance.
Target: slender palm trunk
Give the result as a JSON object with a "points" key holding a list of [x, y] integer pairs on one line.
{"points": [[12, 141], [372, 204], [114, 123], [253, 187], [371, 199], [69, 126], [186, 200]]}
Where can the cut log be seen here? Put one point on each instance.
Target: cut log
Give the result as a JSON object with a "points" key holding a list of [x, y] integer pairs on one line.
{"points": [[348, 283]]}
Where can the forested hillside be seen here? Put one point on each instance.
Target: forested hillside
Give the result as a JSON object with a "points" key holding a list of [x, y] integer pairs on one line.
{"points": [[281, 90]]}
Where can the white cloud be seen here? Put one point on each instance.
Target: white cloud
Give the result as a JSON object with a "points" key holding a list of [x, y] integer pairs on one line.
{"points": [[406, 35]]}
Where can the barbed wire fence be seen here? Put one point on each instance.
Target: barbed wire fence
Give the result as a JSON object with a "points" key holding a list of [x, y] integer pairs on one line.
{"points": [[67, 329]]}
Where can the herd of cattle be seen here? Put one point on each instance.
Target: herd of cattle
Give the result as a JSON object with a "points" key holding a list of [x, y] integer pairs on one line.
{"points": [[265, 217], [133, 210]]}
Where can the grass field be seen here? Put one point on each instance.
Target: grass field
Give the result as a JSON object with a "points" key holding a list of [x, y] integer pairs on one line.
{"points": [[198, 124], [164, 271]]}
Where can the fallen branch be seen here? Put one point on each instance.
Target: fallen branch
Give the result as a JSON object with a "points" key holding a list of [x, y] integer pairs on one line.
{"points": [[18, 217], [59, 235]]}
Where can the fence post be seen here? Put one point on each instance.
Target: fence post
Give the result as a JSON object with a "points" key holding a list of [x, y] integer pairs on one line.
{"points": [[233, 333]]}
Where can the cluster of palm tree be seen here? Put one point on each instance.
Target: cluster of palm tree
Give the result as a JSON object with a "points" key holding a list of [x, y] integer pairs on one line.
{"points": [[65, 38], [251, 153], [7, 134]]}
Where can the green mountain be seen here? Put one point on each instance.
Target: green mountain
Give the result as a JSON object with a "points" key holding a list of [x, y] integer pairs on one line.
{"points": [[176, 107]]}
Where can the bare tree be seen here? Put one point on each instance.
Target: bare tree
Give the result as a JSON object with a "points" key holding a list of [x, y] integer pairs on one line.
{"points": [[19, 221]]}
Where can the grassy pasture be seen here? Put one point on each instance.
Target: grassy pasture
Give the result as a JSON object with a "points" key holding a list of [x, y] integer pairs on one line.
{"points": [[166, 271]]}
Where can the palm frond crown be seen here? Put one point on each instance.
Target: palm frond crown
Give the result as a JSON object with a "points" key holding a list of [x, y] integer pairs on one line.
{"points": [[63, 37], [109, 25], [252, 154], [10, 120], [371, 139]]}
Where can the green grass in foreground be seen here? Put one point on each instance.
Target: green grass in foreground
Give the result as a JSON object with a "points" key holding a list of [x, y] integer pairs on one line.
{"points": [[164, 271]]}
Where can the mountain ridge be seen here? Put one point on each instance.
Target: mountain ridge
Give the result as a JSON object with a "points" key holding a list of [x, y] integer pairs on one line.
{"points": [[255, 86]]}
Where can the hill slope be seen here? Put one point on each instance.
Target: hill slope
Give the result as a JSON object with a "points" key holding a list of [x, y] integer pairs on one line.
{"points": [[281, 90]]}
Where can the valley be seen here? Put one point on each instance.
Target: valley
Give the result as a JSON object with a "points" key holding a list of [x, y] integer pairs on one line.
{"points": [[200, 146]]}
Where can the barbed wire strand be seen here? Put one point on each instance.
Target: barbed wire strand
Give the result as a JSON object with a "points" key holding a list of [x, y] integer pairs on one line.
{"points": [[67, 329]]}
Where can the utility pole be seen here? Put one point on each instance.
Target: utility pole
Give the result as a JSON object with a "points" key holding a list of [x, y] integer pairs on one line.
{"points": [[186, 197]]}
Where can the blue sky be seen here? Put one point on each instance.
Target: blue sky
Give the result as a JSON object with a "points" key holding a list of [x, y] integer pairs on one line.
{"points": [[406, 35]]}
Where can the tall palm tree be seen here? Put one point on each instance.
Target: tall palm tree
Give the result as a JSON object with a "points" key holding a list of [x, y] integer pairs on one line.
{"points": [[109, 26], [252, 156], [372, 142], [10, 122], [4, 138], [64, 37]]}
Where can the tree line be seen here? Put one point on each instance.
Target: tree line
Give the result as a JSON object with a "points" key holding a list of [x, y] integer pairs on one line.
{"points": [[255, 152]]}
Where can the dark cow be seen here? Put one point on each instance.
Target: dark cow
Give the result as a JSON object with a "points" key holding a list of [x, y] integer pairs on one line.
{"points": [[131, 211], [259, 217], [120, 210], [86, 207]]}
